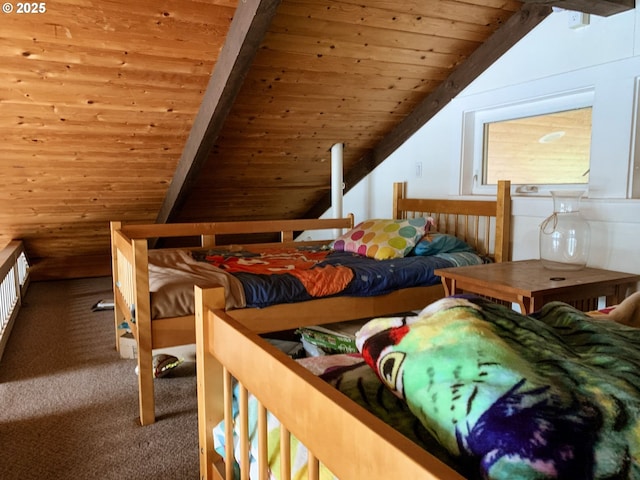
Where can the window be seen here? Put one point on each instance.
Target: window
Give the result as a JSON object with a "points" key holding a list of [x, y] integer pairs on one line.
{"points": [[538, 145], [543, 149]]}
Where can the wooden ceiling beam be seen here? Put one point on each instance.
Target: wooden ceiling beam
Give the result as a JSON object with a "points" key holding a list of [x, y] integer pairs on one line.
{"points": [[246, 33], [502, 40], [603, 8]]}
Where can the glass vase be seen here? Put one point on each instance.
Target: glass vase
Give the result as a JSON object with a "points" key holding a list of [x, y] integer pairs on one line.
{"points": [[565, 235]]}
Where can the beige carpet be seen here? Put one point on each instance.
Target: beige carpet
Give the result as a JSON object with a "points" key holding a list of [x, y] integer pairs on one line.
{"points": [[68, 402]]}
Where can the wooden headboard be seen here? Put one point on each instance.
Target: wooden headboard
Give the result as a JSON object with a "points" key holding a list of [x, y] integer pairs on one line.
{"points": [[485, 224]]}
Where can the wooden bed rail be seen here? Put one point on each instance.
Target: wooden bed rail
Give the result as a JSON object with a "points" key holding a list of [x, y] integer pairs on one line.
{"points": [[286, 228], [336, 423]]}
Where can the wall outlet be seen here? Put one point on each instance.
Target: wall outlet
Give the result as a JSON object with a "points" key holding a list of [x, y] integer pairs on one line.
{"points": [[578, 19], [418, 169]]}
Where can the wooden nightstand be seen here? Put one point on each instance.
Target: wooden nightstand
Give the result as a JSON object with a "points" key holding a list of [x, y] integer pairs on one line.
{"points": [[530, 285]]}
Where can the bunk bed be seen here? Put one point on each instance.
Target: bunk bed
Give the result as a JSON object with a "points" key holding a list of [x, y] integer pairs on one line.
{"points": [[484, 225]]}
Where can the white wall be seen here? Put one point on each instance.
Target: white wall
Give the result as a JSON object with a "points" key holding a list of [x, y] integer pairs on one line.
{"points": [[551, 59]]}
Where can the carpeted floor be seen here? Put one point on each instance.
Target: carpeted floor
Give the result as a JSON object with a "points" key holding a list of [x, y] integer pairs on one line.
{"points": [[68, 402]]}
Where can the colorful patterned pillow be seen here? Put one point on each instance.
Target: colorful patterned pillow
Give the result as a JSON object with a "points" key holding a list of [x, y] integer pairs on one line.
{"points": [[382, 238]]}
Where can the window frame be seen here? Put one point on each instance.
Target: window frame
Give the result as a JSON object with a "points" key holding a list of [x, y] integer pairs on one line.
{"points": [[473, 137]]}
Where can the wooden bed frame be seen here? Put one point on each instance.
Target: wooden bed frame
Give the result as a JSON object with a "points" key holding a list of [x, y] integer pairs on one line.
{"points": [[221, 334], [318, 415], [484, 224]]}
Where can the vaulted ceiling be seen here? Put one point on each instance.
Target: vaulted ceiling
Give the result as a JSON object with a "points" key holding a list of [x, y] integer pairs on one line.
{"points": [[202, 110]]}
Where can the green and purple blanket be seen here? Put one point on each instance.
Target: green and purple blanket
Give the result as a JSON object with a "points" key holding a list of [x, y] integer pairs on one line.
{"points": [[551, 395]]}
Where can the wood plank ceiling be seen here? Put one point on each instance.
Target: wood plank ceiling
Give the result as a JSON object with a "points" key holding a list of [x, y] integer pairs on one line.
{"points": [[170, 111]]}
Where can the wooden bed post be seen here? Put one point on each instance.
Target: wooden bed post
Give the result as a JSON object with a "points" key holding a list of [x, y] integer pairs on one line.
{"points": [[143, 332], [118, 317], [399, 191], [209, 374], [207, 241], [503, 221]]}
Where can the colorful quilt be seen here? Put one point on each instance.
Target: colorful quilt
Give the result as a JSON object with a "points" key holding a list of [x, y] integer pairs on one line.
{"points": [[551, 395], [322, 281], [294, 275]]}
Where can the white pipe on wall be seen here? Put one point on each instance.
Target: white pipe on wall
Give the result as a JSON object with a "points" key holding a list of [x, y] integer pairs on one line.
{"points": [[337, 183]]}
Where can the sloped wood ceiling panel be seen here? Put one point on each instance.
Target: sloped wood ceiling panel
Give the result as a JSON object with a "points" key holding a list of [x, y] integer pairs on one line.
{"points": [[97, 99], [330, 71]]}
